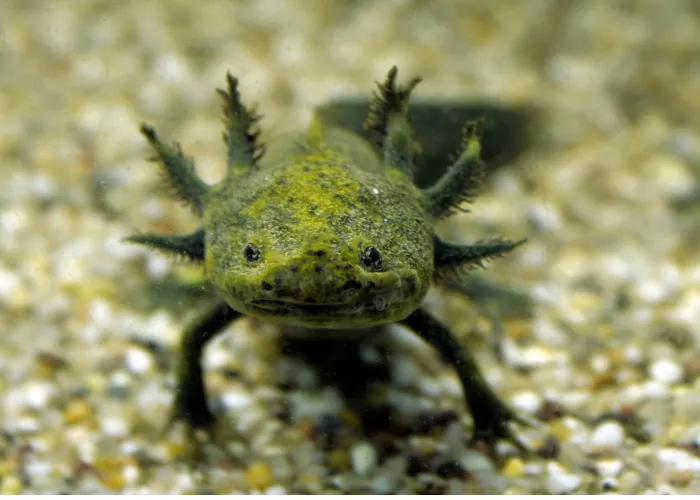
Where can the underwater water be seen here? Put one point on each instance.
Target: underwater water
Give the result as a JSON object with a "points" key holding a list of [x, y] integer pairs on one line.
{"points": [[591, 328]]}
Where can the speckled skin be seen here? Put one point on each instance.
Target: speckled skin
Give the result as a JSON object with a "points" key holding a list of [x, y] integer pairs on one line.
{"points": [[322, 235], [312, 216]]}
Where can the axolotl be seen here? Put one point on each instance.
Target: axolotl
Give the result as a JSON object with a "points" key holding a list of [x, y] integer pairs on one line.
{"points": [[322, 235]]}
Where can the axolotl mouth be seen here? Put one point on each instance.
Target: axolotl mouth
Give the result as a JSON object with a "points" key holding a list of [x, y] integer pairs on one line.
{"points": [[293, 307], [326, 300], [374, 310]]}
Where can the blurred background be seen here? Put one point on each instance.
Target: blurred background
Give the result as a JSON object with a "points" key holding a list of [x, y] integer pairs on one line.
{"points": [[596, 136]]}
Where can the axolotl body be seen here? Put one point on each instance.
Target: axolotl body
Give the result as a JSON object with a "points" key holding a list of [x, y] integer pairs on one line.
{"points": [[324, 236]]}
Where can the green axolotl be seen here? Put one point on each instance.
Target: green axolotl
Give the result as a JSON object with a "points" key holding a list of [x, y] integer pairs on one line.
{"points": [[324, 236]]}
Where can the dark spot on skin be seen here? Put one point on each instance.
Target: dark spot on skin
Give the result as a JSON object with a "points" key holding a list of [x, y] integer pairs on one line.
{"points": [[351, 284], [372, 258], [411, 284], [251, 253], [363, 198], [266, 286]]}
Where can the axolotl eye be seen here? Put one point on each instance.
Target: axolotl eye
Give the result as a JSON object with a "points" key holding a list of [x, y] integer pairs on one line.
{"points": [[372, 258], [251, 253]]}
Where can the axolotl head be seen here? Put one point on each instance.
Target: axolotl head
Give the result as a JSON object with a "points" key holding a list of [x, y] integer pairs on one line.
{"points": [[319, 246]]}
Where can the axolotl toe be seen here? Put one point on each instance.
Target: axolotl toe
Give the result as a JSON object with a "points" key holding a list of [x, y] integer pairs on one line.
{"points": [[322, 234]]}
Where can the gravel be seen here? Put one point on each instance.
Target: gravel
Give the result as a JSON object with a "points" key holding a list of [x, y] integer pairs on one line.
{"points": [[606, 193]]}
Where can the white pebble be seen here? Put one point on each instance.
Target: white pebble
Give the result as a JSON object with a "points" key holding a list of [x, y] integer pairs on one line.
{"points": [[138, 360], [9, 284], [363, 457], [37, 394], [674, 459], [430, 387], [545, 216], [656, 390], [383, 485], [609, 468], [560, 481], [404, 372], [38, 468], [157, 265], [114, 427], [476, 462], [666, 371], [131, 473], [651, 291], [527, 402], [27, 425], [171, 69], [608, 435], [527, 357], [236, 399], [276, 490], [100, 312], [130, 448], [633, 354]]}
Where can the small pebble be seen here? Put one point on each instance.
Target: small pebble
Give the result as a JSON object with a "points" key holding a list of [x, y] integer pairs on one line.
{"points": [[476, 462], [11, 485], [338, 459], [259, 476], [609, 434], [27, 425], [527, 402], [609, 468], [666, 371], [404, 372], [383, 485], [629, 481], [561, 481], [131, 474], [119, 384], [114, 427], [77, 411], [138, 360], [608, 484], [550, 448], [276, 490], [363, 457], [38, 394], [673, 459], [114, 480], [514, 467]]}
